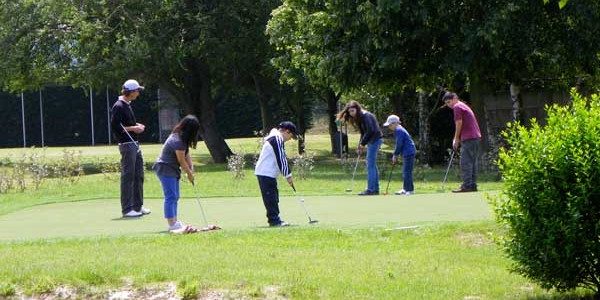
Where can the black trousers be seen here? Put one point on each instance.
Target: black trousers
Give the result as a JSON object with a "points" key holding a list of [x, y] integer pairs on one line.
{"points": [[132, 178], [270, 196]]}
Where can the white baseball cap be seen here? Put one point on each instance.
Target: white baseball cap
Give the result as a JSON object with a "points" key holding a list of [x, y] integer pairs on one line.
{"points": [[132, 85], [391, 120]]}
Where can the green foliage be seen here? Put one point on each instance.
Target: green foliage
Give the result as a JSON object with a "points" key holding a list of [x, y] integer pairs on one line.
{"points": [[110, 168], [69, 168], [389, 44], [551, 203], [561, 3], [40, 285], [188, 290], [7, 290]]}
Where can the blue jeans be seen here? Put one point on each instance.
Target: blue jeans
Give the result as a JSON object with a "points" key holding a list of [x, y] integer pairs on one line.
{"points": [[372, 171], [408, 164], [170, 186]]}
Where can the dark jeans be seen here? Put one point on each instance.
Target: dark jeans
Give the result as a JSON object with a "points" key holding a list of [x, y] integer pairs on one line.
{"points": [[408, 163], [469, 151], [132, 178], [270, 196]]}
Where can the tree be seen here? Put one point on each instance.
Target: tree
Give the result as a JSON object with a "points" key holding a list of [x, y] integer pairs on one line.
{"points": [[392, 45], [186, 47]]}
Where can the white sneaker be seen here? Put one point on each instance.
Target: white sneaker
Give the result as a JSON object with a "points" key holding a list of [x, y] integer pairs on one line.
{"points": [[132, 214], [404, 193], [400, 192], [145, 211], [177, 226]]}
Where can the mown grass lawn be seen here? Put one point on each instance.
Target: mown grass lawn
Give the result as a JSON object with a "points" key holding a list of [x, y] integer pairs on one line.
{"points": [[68, 236], [451, 261]]}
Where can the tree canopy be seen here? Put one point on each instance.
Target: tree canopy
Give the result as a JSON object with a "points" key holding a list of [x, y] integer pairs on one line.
{"points": [[388, 44], [186, 47]]}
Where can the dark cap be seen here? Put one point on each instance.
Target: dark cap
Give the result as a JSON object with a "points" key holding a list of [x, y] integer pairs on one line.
{"points": [[448, 95], [289, 126]]}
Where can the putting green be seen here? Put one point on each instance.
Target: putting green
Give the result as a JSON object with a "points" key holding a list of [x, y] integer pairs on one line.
{"points": [[102, 217]]}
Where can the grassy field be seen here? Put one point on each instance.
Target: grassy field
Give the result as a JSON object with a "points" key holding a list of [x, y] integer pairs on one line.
{"points": [[67, 239]]}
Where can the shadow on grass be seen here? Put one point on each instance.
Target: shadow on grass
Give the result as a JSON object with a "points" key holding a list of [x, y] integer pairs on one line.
{"points": [[127, 218], [566, 296]]}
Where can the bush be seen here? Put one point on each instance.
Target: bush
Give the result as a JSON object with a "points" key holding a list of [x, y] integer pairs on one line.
{"points": [[235, 165], [303, 165], [550, 202]]}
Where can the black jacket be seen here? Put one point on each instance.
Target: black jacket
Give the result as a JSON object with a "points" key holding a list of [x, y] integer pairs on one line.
{"points": [[369, 129]]}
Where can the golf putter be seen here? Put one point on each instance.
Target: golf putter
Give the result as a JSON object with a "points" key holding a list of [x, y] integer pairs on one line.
{"points": [[448, 169], [131, 138], [389, 179], [301, 201], [207, 226], [353, 174]]}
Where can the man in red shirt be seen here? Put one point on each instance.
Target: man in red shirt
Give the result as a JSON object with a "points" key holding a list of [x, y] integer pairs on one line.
{"points": [[467, 137]]}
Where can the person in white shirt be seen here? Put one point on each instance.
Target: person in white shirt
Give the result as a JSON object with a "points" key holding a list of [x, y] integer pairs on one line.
{"points": [[271, 162]]}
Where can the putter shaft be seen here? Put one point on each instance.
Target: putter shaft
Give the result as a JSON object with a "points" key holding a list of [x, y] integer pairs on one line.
{"points": [[448, 169]]}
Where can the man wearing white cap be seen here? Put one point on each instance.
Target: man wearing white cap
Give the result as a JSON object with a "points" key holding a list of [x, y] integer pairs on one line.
{"points": [[125, 130], [405, 146]]}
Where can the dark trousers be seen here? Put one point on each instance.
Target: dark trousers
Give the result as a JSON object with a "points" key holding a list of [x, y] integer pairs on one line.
{"points": [[469, 151], [132, 178], [270, 196]]}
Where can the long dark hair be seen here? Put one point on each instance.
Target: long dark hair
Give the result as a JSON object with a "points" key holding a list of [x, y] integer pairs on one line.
{"points": [[187, 129], [345, 116]]}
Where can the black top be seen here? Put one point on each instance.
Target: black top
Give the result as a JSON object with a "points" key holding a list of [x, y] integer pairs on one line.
{"points": [[369, 129], [121, 114]]}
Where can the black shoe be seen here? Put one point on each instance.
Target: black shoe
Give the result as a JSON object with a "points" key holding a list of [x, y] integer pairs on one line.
{"points": [[368, 193], [282, 224], [464, 190]]}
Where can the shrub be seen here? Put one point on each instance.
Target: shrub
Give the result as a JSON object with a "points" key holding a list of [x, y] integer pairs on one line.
{"points": [[18, 174], [235, 165], [303, 165], [69, 167], [550, 202], [37, 167], [110, 168]]}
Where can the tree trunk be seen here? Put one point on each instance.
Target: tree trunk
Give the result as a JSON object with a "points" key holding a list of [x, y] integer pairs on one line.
{"points": [[194, 96], [205, 109], [396, 100], [301, 126], [478, 91], [423, 128], [332, 108], [515, 97], [263, 101]]}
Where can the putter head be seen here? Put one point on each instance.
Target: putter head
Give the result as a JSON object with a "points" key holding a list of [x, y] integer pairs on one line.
{"points": [[313, 222], [210, 227], [348, 190]]}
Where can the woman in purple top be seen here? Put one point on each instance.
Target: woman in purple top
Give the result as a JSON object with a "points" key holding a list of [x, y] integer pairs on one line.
{"points": [[466, 137], [174, 157]]}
